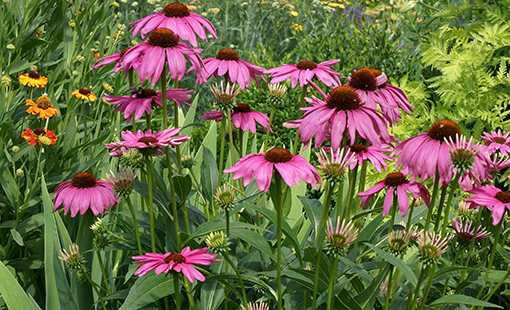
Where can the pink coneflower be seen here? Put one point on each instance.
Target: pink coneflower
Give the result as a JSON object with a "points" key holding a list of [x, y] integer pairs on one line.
{"points": [[179, 262], [228, 62], [178, 18], [421, 155], [396, 181], [334, 166], [161, 51], [224, 96], [142, 100], [372, 153], [110, 59], [261, 166], [496, 141], [216, 116], [256, 306], [497, 164], [493, 199], [466, 232], [371, 85], [431, 246], [305, 72], [342, 111], [147, 143], [84, 192], [244, 117], [339, 236]]}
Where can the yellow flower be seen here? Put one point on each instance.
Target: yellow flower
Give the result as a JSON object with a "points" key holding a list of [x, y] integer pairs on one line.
{"points": [[33, 79], [336, 5], [294, 13], [298, 27], [42, 106], [85, 94], [214, 10], [192, 7]]}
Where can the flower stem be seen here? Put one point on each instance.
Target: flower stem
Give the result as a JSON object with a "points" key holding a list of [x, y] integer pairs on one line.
{"points": [[94, 286], [273, 108], [432, 201], [135, 223], [150, 177], [388, 291], [174, 204], [302, 104], [454, 184], [472, 244], [279, 211], [243, 291], [352, 182], [190, 296], [222, 149], [440, 208], [427, 289], [332, 281], [339, 200], [227, 222], [418, 286], [230, 137], [105, 278], [177, 291], [491, 259], [322, 224], [410, 216]]}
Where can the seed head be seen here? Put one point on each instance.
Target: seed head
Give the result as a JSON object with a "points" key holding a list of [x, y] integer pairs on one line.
{"points": [[217, 242], [276, 94], [6, 81], [225, 197]]}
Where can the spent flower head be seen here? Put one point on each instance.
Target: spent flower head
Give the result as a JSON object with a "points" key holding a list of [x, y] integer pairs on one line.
{"points": [[463, 153], [466, 231], [132, 158], [217, 242], [225, 96], [72, 259], [398, 240], [187, 161], [339, 236]]}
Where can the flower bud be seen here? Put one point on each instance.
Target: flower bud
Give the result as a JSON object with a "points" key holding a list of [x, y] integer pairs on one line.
{"points": [[10, 46], [15, 149], [20, 172], [6, 81]]}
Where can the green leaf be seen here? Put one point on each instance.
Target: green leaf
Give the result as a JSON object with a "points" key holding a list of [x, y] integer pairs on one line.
{"points": [[12, 292], [208, 174], [254, 239], [216, 225], [461, 299], [148, 289], [398, 263], [313, 210], [182, 187], [51, 245], [17, 237], [212, 292]]}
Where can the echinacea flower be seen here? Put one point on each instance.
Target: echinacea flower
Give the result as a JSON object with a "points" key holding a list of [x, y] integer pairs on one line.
{"points": [[85, 94], [431, 246], [334, 166], [372, 153], [42, 107], [339, 236], [493, 198], [72, 259], [304, 73], [466, 232], [179, 262], [142, 100], [84, 192], [261, 166], [227, 63], [217, 242], [216, 116], [342, 111], [398, 240], [123, 184], [110, 59], [161, 52], [178, 18], [496, 141], [39, 135], [245, 118], [225, 197], [256, 306], [147, 143], [276, 94], [397, 183], [373, 88], [224, 96], [421, 155], [33, 79]]}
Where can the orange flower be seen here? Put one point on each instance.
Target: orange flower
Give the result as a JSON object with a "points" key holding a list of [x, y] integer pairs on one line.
{"points": [[42, 106], [38, 33], [33, 79], [39, 135], [95, 56], [85, 94]]}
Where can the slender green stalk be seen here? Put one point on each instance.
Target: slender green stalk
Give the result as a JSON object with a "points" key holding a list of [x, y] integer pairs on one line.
{"points": [[94, 286], [243, 291], [350, 194], [174, 205], [457, 255], [230, 137], [177, 147], [388, 291], [135, 223], [427, 289], [322, 224], [472, 244], [495, 288], [273, 108], [332, 281], [440, 208], [191, 298], [105, 278], [302, 104], [432, 201], [196, 185], [279, 213], [422, 276], [491, 258], [454, 184], [177, 291], [227, 222], [410, 216], [339, 200], [222, 149], [150, 178]]}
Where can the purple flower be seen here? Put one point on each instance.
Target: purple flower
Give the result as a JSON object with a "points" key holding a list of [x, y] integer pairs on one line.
{"points": [[305, 72]]}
